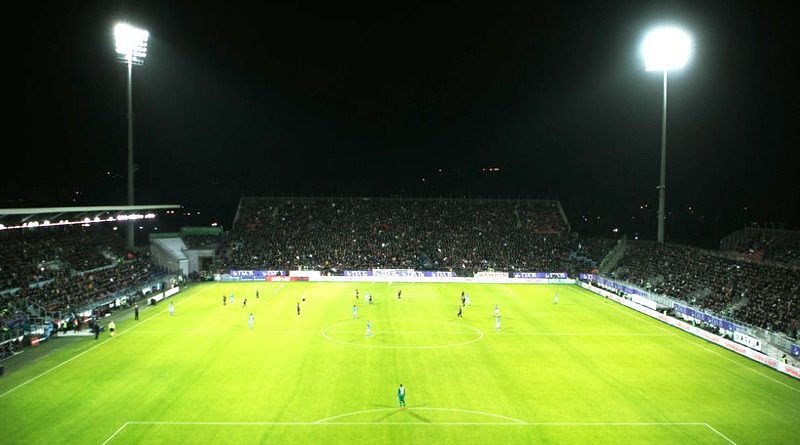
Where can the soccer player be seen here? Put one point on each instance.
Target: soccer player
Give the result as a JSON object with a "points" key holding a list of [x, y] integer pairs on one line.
{"points": [[401, 396], [171, 309], [112, 327], [355, 312], [399, 293], [497, 323], [250, 322], [370, 298], [224, 300], [459, 312], [356, 294], [466, 300], [231, 297], [555, 299], [369, 329], [298, 308], [136, 311], [244, 303], [256, 294], [496, 310]]}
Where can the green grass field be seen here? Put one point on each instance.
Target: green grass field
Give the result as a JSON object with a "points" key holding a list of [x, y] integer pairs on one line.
{"points": [[584, 371]]}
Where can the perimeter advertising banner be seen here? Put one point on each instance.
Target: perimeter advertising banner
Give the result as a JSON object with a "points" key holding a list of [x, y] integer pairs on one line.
{"points": [[708, 319], [747, 340], [399, 273], [254, 275], [557, 275], [796, 350]]}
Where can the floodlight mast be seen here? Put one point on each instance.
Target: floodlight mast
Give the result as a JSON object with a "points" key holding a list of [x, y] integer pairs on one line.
{"points": [[665, 49], [131, 47]]}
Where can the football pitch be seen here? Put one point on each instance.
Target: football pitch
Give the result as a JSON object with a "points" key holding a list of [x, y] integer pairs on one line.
{"points": [[585, 370]]}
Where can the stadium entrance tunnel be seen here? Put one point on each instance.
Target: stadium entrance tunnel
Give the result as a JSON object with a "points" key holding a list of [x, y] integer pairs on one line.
{"points": [[403, 334]]}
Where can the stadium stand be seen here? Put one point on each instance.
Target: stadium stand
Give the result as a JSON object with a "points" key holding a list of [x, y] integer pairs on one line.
{"points": [[201, 241], [30, 256], [47, 270], [460, 235], [768, 245], [763, 295]]}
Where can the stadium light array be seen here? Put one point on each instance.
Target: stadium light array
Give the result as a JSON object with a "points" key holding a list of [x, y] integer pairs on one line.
{"points": [[665, 48], [131, 43], [86, 222]]}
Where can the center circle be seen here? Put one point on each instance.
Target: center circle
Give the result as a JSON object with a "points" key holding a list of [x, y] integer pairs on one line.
{"points": [[403, 334]]}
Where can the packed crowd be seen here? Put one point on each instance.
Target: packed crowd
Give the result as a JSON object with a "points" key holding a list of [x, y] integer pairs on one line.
{"points": [[73, 290], [50, 269], [30, 256], [201, 241], [763, 295], [776, 246], [459, 235]]}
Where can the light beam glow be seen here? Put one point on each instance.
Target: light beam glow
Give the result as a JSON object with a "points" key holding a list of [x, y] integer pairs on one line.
{"points": [[666, 48]]}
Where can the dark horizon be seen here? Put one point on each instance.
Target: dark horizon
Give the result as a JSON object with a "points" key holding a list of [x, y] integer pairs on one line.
{"points": [[301, 100]]}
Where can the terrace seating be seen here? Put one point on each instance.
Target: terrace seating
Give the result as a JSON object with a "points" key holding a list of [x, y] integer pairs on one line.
{"points": [[764, 295], [460, 235], [37, 255], [768, 245], [50, 269]]}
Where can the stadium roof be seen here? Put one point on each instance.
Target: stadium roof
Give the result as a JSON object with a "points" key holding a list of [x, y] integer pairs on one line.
{"points": [[55, 216]]}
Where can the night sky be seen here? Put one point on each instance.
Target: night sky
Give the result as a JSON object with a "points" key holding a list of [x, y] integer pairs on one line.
{"points": [[410, 99]]}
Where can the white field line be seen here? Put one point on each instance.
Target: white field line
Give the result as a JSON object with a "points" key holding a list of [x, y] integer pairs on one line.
{"points": [[722, 435], [674, 331], [586, 334], [115, 433], [511, 422], [279, 288], [88, 350]]}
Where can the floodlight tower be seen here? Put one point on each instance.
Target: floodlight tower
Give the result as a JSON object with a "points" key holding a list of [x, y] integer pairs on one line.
{"points": [[131, 46], [665, 49]]}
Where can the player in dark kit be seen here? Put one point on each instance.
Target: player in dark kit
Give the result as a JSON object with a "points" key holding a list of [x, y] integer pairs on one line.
{"points": [[399, 292], [459, 312], [136, 311], [298, 308], [256, 294], [244, 303], [224, 300]]}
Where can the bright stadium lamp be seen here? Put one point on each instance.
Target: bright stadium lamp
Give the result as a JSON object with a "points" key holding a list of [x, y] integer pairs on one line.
{"points": [[131, 47], [664, 49], [131, 43]]}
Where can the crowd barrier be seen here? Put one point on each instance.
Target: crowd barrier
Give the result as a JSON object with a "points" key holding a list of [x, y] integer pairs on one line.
{"points": [[698, 332]]}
